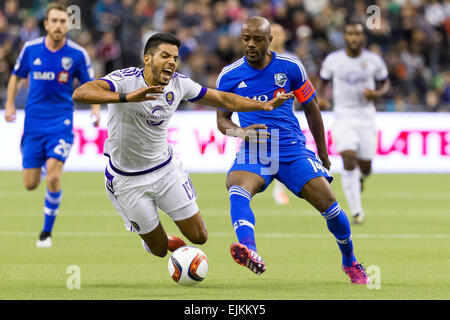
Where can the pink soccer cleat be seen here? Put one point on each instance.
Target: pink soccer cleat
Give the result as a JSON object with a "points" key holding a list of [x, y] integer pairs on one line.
{"points": [[357, 273], [247, 258]]}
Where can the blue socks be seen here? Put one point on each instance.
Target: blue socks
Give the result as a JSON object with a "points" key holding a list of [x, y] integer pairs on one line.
{"points": [[339, 226], [52, 201], [243, 221], [242, 216]]}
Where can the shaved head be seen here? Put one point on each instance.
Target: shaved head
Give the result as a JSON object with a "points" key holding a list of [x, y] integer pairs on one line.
{"points": [[257, 23], [256, 38]]}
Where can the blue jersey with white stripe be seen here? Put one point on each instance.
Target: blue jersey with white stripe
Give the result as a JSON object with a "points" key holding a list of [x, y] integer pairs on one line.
{"points": [[49, 106], [282, 74]]}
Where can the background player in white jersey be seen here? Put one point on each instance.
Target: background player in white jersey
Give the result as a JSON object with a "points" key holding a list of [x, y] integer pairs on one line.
{"points": [[51, 63], [142, 174], [354, 72]]}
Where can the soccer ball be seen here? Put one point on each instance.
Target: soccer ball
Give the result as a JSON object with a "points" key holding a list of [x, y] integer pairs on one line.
{"points": [[188, 265]]}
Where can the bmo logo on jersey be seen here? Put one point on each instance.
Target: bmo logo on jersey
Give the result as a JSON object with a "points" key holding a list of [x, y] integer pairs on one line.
{"points": [[262, 98], [44, 75]]}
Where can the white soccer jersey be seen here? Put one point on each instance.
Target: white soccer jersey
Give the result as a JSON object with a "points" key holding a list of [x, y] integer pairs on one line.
{"points": [[351, 76], [137, 131]]}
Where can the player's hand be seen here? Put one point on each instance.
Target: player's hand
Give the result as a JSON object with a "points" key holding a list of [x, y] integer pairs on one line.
{"points": [[145, 94], [325, 161], [95, 117], [255, 133], [278, 101], [10, 112], [370, 95]]}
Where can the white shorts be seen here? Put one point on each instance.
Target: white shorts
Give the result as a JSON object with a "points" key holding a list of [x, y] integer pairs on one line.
{"points": [[351, 135], [137, 198]]}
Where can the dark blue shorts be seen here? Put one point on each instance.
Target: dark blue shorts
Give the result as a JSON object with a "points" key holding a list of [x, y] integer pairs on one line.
{"points": [[293, 174], [37, 148]]}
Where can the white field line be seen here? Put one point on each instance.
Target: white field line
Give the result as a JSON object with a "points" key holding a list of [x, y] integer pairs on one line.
{"points": [[100, 193], [7, 233], [221, 212]]}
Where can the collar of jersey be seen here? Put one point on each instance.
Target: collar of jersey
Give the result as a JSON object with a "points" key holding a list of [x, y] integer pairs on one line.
{"points": [[271, 61], [45, 46]]}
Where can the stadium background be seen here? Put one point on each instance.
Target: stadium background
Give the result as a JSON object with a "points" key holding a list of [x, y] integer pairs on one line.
{"points": [[413, 38]]}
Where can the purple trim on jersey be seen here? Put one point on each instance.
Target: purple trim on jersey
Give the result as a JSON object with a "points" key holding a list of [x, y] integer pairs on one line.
{"points": [[132, 71], [177, 74], [138, 173], [111, 84], [200, 95]]}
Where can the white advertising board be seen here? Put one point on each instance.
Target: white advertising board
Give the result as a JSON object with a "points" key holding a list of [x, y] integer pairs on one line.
{"points": [[408, 142]]}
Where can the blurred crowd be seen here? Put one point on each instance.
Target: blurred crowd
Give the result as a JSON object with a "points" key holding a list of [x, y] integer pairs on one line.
{"points": [[413, 36]]}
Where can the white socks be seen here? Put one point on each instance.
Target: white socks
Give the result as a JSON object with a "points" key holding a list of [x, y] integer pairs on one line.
{"points": [[352, 190]]}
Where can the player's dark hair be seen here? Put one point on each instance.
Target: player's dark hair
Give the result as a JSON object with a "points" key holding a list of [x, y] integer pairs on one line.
{"points": [[56, 6], [155, 40], [353, 22]]}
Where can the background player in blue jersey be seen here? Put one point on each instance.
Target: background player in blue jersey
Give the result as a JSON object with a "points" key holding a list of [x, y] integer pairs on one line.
{"points": [[51, 62], [262, 74]]}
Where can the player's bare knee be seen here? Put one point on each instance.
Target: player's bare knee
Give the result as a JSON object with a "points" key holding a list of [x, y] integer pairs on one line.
{"points": [[53, 181], [349, 163], [365, 171], [159, 251], [201, 237], [31, 185]]}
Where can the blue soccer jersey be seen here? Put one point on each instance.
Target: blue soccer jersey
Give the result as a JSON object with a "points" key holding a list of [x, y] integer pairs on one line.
{"points": [[49, 106], [294, 165], [282, 74]]}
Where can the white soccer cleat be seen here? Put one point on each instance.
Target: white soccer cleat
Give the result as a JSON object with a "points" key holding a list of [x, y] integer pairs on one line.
{"points": [[45, 240], [47, 243], [358, 218]]}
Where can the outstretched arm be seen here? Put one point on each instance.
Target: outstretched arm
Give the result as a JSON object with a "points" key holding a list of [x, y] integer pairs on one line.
{"points": [[233, 102], [98, 92]]}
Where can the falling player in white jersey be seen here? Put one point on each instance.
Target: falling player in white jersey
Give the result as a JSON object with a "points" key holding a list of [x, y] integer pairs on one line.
{"points": [[354, 72], [142, 174]]}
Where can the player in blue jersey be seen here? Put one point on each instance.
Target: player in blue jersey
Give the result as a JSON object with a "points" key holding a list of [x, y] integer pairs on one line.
{"points": [[51, 62], [262, 74]]}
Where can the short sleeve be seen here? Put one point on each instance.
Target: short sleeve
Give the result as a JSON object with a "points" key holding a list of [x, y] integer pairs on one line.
{"points": [[191, 90], [115, 80], [381, 72], [303, 89], [85, 70], [22, 66], [326, 72], [222, 82]]}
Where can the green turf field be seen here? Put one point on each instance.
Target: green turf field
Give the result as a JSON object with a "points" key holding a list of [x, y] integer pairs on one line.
{"points": [[406, 235]]}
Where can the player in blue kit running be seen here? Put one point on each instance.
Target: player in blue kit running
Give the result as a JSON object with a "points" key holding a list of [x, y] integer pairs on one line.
{"points": [[262, 74], [51, 62]]}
